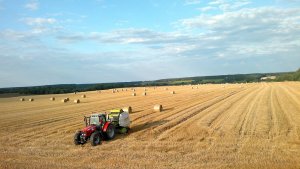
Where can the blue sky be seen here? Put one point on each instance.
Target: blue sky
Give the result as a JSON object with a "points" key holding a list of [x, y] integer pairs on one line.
{"points": [[90, 41]]}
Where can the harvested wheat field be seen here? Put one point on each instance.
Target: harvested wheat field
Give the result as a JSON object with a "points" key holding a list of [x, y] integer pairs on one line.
{"points": [[253, 125]]}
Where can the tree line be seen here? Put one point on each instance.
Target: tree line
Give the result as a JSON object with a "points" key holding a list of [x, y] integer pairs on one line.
{"points": [[71, 88]]}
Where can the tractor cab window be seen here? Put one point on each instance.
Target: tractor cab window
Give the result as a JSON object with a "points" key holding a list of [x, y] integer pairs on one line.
{"points": [[94, 120]]}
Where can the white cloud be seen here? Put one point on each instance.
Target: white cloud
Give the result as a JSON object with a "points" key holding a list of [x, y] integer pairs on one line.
{"points": [[229, 5], [32, 5], [244, 33], [41, 25], [38, 21], [129, 36], [252, 32], [192, 2], [263, 18], [207, 8], [15, 35]]}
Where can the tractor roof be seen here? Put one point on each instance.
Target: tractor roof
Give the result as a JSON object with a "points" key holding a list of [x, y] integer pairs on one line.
{"points": [[97, 114]]}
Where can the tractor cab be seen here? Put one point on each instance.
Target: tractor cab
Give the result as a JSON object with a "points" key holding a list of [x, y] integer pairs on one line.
{"points": [[95, 119]]}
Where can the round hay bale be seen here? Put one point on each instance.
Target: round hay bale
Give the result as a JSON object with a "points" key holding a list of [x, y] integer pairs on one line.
{"points": [[133, 94], [158, 108], [31, 99], [76, 101], [173, 92], [64, 100], [113, 91], [67, 99], [52, 98], [22, 99], [83, 96], [128, 109], [144, 94], [134, 90]]}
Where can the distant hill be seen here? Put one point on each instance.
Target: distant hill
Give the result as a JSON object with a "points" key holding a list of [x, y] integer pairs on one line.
{"points": [[238, 78]]}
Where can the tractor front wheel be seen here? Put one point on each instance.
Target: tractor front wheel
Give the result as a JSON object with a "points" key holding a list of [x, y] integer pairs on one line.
{"points": [[95, 139], [77, 138]]}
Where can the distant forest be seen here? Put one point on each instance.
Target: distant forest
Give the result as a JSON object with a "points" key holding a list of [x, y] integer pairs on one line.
{"points": [[70, 88]]}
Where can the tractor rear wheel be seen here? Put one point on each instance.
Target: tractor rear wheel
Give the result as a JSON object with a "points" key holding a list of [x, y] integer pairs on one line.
{"points": [[110, 132], [77, 138], [95, 139]]}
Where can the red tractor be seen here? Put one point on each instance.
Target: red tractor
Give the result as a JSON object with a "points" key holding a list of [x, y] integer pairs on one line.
{"points": [[97, 128]]}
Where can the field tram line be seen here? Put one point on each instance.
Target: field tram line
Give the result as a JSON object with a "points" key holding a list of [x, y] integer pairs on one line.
{"points": [[246, 119], [279, 114], [34, 122], [293, 94], [68, 129], [214, 127], [262, 101], [36, 112], [57, 114], [212, 108], [196, 104], [184, 102], [63, 127], [290, 122], [41, 125], [293, 90], [293, 101], [275, 128], [293, 129], [159, 115], [163, 129], [174, 114], [172, 105], [223, 116], [150, 105]]}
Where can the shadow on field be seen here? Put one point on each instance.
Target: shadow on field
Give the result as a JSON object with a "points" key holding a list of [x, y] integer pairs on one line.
{"points": [[147, 125], [169, 109], [136, 111]]}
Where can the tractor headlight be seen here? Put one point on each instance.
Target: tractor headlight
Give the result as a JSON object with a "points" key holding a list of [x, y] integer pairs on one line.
{"points": [[83, 134]]}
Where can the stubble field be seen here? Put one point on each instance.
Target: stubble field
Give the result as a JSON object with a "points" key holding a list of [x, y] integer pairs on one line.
{"points": [[253, 125]]}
